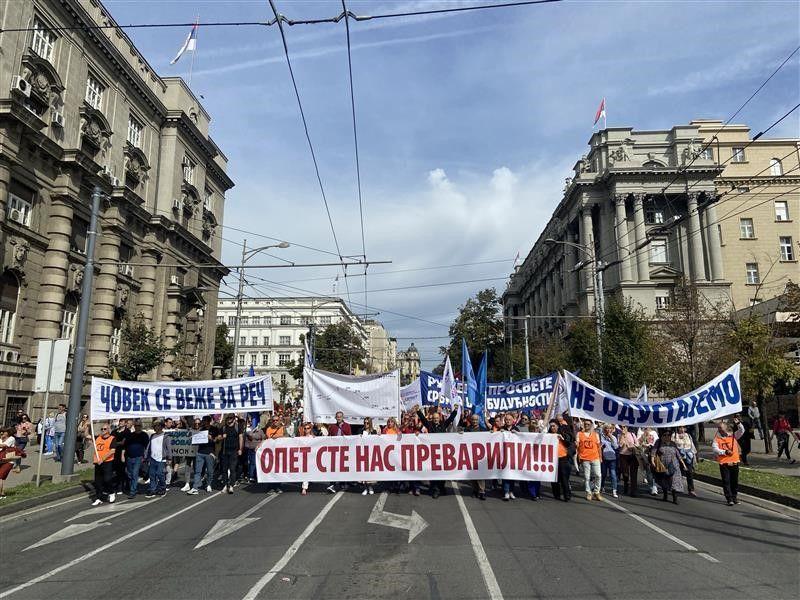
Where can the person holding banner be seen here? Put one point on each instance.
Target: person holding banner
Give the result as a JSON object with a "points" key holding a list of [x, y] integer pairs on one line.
{"points": [[726, 451], [368, 430], [436, 425], [306, 430], [206, 438], [253, 438], [105, 445], [566, 448], [232, 447], [508, 484], [589, 459]]}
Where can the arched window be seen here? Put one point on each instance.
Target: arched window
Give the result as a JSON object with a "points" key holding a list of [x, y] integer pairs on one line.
{"points": [[775, 167], [9, 298]]}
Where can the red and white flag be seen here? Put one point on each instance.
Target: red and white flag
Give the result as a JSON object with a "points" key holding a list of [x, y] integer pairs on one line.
{"points": [[189, 44], [601, 112]]}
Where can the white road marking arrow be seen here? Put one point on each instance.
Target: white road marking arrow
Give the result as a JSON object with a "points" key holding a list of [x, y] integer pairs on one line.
{"points": [[415, 523], [112, 510], [224, 527], [68, 532]]}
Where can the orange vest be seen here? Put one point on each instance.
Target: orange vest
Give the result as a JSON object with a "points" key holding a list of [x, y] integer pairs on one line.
{"points": [[588, 446], [104, 451], [727, 443], [275, 432], [562, 449]]}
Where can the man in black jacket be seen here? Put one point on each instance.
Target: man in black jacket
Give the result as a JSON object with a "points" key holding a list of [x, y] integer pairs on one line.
{"points": [[566, 452], [436, 425]]}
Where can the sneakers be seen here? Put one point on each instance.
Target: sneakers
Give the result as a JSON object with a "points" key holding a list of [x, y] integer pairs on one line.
{"points": [[730, 502], [416, 492], [304, 492], [208, 489], [588, 495], [193, 492], [506, 497], [371, 491], [364, 493], [331, 489], [112, 498], [693, 494], [512, 496], [614, 493], [279, 490], [150, 495], [97, 502], [481, 495], [186, 487]]}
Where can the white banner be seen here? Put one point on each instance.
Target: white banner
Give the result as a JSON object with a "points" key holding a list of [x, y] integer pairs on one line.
{"points": [[719, 397], [115, 399], [410, 395], [326, 393], [485, 455]]}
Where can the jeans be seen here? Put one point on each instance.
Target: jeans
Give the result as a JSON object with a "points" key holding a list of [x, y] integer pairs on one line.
{"points": [[609, 467], [560, 487], [508, 485], [251, 463], [228, 465], [133, 465], [200, 461], [158, 482], [783, 444], [48, 444], [591, 476], [59, 442], [629, 465], [535, 488], [730, 481], [102, 480]]}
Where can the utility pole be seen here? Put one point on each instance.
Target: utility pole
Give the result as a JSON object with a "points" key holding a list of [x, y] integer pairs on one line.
{"points": [[527, 355], [79, 358], [237, 326], [599, 305]]}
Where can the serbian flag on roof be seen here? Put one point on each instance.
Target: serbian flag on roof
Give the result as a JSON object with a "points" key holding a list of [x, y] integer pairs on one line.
{"points": [[601, 111], [188, 44]]}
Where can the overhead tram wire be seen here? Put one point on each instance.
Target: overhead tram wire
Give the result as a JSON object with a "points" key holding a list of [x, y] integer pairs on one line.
{"points": [[281, 19], [308, 139], [355, 144]]}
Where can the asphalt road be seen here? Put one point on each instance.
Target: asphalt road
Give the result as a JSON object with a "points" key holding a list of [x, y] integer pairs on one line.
{"points": [[322, 546]]}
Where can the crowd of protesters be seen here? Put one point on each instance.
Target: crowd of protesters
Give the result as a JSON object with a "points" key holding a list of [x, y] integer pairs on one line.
{"points": [[611, 459]]}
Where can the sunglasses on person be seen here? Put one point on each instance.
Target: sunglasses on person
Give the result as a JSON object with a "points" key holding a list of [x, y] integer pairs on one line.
{"points": [[104, 429]]}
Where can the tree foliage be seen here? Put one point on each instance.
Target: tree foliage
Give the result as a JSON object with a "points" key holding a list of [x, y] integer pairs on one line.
{"points": [[339, 349], [628, 347], [223, 349], [142, 350]]}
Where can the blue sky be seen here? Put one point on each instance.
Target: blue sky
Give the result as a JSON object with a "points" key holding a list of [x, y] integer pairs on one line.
{"points": [[468, 123]]}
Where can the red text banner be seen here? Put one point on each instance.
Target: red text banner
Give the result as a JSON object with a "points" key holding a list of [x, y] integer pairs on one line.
{"points": [[499, 455]]}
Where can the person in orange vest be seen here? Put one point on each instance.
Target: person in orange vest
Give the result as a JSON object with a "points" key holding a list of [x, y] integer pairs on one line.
{"points": [[726, 451], [566, 448], [589, 458], [105, 448]]}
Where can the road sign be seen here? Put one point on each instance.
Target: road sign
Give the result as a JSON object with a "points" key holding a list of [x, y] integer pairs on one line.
{"points": [[51, 365]]}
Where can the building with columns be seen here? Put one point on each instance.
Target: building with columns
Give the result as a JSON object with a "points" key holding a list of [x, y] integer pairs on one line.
{"points": [[644, 204], [80, 108], [272, 332], [409, 364]]}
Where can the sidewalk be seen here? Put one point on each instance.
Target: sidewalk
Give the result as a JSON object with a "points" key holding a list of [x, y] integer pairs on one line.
{"points": [[49, 467], [758, 459]]}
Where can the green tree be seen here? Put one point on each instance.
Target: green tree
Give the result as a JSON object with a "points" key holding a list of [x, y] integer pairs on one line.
{"points": [[580, 350], [223, 349], [142, 350], [628, 348], [339, 349]]}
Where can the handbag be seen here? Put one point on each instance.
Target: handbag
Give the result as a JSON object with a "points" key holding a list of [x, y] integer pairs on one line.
{"points": [[658, 465]]}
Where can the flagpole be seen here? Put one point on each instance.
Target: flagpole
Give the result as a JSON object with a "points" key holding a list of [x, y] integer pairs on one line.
{"points": [[194, 50], [605, 125]]}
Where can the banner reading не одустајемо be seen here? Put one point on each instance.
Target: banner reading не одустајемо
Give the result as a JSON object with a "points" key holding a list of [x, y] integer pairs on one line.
{"points": [[115, 399], [719, 397]]}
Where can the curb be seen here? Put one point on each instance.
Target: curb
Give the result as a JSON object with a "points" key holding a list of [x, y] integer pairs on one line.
{"points": [[15, 507], [753, 492]]}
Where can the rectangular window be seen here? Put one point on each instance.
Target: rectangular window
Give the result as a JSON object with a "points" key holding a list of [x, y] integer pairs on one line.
{"points": [[78, 235], [242, 341], [662, 302], [19, 210], [284, 359], [781, 210], [135, 129], [94, 92], [7, 319], [256, 320], [658, 251], [738, 155], [752, 273], [707, 153], [267, 321], [241, 360], [305, 320], [231, 321], [746, 229], [254, 341], [283, 377], [208, 202], [125, 259], [787, 250], [253, 358], [188, 169], [220, 320], [43, 40], [266, 340], [116, 340], [654, 216], [285, 340], [9, 297], [68, 320], [324, 320], [265, 359], [286, 320]]}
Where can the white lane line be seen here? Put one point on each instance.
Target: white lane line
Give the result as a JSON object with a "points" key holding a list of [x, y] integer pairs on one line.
{"points": [[103, 548], [658, 529], [21, 515], [477, 547], [292, 550]]}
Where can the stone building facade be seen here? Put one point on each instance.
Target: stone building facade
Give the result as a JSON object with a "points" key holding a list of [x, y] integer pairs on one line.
{"points": [[656, 206], [81, 108], [381, 352], [272, 330], [409, 364]]}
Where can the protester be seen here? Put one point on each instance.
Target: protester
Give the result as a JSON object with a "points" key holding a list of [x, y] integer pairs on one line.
{"points": [[534, 487], [629, 462], [478, 485], [747, 436], [205, 457], [105, 448], [647, 440], [253, 439], [391, 427], [340, 427], [782, 430], [8, 452], [135, 445], [84, 433], [232, 448], [688, 452], [368, 430], [566, 449], [23, 431], [274, 431], [436, 425], [755, 416], [667, 466], [189, 467], [59, 428], [158, 454], [306, 430], [726, 450], [608, 466], [49, 434], [589, 458]]}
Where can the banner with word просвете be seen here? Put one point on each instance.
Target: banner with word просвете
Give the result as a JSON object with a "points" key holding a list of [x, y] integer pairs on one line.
{"points": [[525, 395], [719, 397], [115, 399], [441, 456]]}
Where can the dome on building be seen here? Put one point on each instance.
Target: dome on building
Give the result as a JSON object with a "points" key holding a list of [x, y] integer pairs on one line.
{"points": [[412, 349]]}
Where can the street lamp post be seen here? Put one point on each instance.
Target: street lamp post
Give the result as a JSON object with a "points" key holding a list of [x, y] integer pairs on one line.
{"points": [[527, 351], [246, 255]]}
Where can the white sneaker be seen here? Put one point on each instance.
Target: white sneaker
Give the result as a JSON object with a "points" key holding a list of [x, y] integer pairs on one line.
{"points": [[364, 493], [186, 487], [208, 489], [112, 498], [371, 491], [97, 502], [506, 497], [512, 496], [614, 493], [192, 492]]}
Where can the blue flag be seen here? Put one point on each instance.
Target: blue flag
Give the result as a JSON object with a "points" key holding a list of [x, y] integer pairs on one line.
{"points": [[480, 398], [468, 375], [254, 416]]}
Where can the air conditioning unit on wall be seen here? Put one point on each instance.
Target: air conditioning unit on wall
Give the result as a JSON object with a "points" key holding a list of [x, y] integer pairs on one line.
{"points": [[22, 86], [58, 119]]}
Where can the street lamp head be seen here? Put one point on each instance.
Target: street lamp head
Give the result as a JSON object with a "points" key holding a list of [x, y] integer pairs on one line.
{"points": [[551, 241], [283, 245]]}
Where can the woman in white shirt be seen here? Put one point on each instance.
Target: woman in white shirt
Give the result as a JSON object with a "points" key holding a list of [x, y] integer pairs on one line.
{"points": [[688, 452]]}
